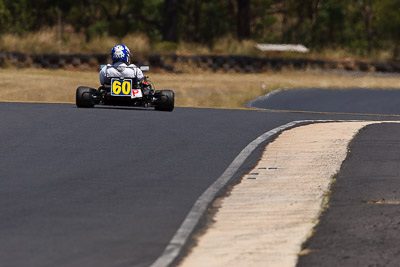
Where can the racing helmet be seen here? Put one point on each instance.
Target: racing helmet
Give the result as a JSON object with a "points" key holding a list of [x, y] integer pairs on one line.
{"points": [[120, 53]]}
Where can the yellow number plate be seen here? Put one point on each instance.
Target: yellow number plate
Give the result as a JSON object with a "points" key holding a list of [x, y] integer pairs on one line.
{"points": [[121, 87]]}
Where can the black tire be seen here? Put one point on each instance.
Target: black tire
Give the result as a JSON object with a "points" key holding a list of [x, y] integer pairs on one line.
{"points": [[167, 100], [84, 97]]}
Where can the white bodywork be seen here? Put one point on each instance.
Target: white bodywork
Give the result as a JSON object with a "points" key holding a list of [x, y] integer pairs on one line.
{"points": [[120, 69]]}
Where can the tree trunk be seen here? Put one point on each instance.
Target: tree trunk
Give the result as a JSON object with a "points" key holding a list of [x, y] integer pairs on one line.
{"points": [[315, 9], [170, 26], [367, 13], [368, 28], [243, 19]]}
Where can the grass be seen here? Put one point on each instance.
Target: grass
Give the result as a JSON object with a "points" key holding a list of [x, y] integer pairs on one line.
{"points": [[52, 40], [214, 90]]}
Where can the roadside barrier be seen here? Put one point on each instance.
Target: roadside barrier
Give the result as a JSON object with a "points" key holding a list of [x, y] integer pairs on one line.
{"points": [[193, 63]]}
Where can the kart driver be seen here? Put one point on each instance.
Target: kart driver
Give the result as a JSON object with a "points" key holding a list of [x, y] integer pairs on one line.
{"points": [[121, 66]]}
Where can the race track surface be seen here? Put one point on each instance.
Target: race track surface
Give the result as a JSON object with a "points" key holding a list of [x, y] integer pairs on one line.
{"points": [[110, 186], [361, 226], [356, 100]]}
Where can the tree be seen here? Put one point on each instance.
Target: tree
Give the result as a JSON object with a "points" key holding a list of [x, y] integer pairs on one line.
{"points": [[388, 13], [205, 21], [169, 29], [5, 17], [367, 13], [243, 19], [329, 28]]}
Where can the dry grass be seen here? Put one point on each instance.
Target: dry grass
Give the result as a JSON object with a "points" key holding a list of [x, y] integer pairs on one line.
{"points": [[340, 54], [50, 40], [192, 90], [67, 41], [226, 45], [232, 46], [31, 85]]}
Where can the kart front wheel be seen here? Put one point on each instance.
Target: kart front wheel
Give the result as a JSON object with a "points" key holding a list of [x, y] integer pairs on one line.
{"points": [[166, 100], [84, 97]]}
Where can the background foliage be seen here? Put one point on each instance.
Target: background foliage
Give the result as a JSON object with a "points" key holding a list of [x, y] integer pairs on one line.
{"points": [[362, 27]]}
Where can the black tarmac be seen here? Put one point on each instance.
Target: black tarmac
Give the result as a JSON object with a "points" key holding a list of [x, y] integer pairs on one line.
{"points": [[110, 186], [361, 226], [355, 100]]}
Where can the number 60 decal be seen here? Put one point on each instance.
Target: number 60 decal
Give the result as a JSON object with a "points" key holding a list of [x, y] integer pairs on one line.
{"points": [[121, 87]]}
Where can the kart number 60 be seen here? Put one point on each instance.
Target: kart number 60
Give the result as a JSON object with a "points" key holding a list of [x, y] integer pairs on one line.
{"points": [[124, 88], [121, 87]]}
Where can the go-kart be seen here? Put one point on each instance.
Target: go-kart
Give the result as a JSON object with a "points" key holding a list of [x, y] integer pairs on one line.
{"points": [[126, 91]]}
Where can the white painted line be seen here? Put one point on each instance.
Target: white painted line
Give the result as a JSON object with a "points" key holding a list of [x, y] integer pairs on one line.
{"points": [[199, 209], [264, 97]]}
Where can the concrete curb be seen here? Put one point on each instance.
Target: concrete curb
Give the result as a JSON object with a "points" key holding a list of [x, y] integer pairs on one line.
{"points": [[177, 244]]}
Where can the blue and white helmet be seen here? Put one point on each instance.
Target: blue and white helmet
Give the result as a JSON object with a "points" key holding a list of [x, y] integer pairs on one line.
{"points": [[120, 53]]}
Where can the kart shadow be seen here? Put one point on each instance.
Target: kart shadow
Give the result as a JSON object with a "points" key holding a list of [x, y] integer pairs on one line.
{"points": [[125, 108]]}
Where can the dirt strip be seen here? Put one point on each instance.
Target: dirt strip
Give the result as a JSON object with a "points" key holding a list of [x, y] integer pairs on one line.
{"points": [[272, 211]]}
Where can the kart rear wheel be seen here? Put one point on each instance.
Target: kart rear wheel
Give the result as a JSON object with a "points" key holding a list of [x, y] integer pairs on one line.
{"points": [[84, 97], [166, 100]]}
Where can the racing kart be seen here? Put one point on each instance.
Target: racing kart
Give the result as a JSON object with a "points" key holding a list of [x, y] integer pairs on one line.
{"points": [[126, 91]]}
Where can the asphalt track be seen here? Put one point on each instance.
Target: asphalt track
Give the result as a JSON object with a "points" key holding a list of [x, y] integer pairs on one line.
{"points": [[353, 100], [361, 226], [110, 186]]}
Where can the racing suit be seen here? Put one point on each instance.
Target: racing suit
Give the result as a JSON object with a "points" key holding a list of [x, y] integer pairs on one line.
{"points": [[120, 69]]}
